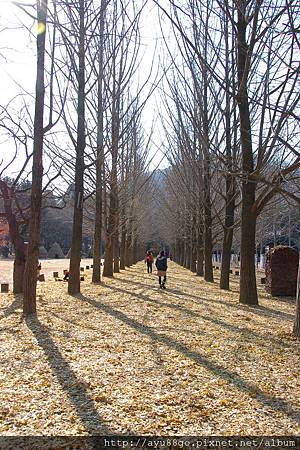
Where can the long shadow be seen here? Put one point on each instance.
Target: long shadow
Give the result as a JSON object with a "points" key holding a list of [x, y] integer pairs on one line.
{"points": [[140, 284], [80, 398], [221, 323], [259, 310], [275, 403], [17, 303]]}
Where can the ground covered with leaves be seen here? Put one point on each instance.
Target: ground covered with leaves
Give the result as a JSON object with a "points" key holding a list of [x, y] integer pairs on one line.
{"points": [[125, 357]]}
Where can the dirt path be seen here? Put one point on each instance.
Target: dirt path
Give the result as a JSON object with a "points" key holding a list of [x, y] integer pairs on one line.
{"points": [[127, 357]]}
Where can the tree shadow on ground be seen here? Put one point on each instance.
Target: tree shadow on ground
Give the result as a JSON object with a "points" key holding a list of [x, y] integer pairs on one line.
{"points": [[16, 304], [79, 397], [259, 309], [275, 403], [233, 328]]}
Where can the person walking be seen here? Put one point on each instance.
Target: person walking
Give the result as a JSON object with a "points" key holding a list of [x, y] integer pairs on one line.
{"points": [[162, 265], [149, 261]]}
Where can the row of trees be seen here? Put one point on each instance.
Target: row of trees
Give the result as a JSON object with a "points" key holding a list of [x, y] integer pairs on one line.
{"points": [[86, 132], [232, 127], [229, 114]]}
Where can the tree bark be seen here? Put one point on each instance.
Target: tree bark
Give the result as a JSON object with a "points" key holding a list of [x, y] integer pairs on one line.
{"points": [[74, 278], [96, 277], [228, 227], [108, 268], [248, 290], [123, 242], [193, 266], [117, 251], [128, 250], [296, 329], [208, 245], [200, 254], [229, 180], [30, 273]]}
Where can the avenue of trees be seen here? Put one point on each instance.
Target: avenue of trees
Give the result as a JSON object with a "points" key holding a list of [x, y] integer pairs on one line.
{"points": [[229, 116]]}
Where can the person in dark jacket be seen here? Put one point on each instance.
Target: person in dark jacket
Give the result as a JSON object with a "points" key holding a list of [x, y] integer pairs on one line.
{"points": [[162, 265]]}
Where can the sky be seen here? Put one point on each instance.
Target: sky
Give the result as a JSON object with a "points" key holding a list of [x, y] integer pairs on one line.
{"points": [[18, 67], [17, 55]]}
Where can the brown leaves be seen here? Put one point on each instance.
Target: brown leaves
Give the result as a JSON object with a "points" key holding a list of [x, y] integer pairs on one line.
{"points": [[129, 358]]}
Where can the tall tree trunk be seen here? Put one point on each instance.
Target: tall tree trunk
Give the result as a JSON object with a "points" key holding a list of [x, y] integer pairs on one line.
{"points": [[117, 249], [111, 226], [123, 242], [113, 196], [123, 248], [248, 290], [193, 266], [74, 278], [96, 277], [30, 273], [182, 255], [208, 245], [230, 180], [128, 249], [226, 257], [135, 251], [186, 263], [229, 215], [296, 329], [200, 254]]}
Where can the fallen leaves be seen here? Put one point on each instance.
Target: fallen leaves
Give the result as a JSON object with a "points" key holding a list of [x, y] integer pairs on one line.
{"points": [[125, 357]]}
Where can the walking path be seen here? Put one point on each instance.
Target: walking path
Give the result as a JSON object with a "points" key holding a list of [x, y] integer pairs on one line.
{"points": [[128, 357]]}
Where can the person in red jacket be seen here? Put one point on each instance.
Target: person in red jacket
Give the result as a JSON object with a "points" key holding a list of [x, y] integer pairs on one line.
{"points": [[149, 261]]}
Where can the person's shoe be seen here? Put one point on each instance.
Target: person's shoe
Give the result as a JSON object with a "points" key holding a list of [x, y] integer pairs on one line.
{"points": [[160, 286], [163, 285]]}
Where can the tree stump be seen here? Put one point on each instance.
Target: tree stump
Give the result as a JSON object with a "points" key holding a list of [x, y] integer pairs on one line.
{"points": [[55, 274], [87, 267], [41, 277], [82, 269], [236, 272], [4, 287], [81, 278]]}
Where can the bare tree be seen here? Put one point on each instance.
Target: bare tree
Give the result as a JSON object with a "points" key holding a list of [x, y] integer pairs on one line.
{"points": [[30, 275]]}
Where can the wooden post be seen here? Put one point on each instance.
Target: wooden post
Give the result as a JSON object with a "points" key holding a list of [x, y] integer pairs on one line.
{"points": [[4, 287]]}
